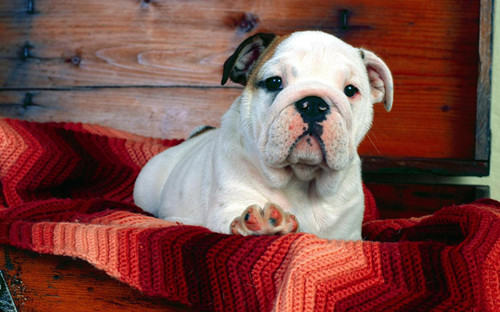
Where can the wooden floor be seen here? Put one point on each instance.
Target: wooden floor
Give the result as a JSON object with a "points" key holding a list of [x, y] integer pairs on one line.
{"points": [[43, 283]]}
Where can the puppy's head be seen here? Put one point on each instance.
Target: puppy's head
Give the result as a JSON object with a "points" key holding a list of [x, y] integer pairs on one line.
{"points": [[308, 101]]}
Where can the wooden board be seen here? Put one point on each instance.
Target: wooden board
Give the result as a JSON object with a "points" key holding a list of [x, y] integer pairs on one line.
{"points": [[157, 112], [399, 200], [175, 112], [41, 283], [77, 55]]}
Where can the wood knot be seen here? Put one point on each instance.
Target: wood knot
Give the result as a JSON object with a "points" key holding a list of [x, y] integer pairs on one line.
{"points": [[244, 22], [145, 3]]}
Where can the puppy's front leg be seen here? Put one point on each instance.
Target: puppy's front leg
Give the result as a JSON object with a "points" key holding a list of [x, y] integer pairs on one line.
{"points": [[264, 221]]}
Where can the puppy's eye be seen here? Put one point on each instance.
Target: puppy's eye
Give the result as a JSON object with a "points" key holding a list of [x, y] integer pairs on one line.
{"points": [[273, 84], [350, 90]]}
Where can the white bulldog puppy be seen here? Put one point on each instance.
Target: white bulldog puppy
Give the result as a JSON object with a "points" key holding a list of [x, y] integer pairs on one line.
{"points": [[285, 156]]}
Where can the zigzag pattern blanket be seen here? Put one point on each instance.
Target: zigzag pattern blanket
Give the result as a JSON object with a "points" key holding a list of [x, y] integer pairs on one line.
{"points": [[66, 189]]}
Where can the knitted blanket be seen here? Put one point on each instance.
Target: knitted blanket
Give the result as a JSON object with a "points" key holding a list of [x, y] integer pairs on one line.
{"points": [[66, 189]]}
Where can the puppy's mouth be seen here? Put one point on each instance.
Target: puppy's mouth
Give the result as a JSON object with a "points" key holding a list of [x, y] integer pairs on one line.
{"points": [[307, 149], [306, 155]]}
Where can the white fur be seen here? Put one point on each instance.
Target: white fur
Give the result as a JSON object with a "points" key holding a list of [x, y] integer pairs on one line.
{"points": [[211, 179]]}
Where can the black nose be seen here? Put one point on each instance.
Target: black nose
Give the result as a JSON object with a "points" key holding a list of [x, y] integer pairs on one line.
{"points": [[312, 109]]}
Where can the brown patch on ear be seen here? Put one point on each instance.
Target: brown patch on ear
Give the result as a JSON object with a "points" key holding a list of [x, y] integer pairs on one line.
{"points": [[266, 56]]}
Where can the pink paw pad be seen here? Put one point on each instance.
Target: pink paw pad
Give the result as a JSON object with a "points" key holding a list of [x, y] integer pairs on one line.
{"points": [[264, 221], [251, 218]]}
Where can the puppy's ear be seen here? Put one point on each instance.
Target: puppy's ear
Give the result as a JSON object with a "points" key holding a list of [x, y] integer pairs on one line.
{"points": [[239, 65], [382, 88]]}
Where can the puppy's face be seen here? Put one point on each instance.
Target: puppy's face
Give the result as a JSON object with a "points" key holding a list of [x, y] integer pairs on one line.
{"points": [[307, 103]]}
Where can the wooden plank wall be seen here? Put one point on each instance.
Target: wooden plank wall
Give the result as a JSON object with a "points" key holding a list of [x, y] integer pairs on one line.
{"points": [[153, 67]]}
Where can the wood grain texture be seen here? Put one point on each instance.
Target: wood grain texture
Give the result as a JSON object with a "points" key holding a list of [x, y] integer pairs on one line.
{"points": [[179, 42], [41, 283], [483, 135], [414, 200], [175, 112], [157, 112], [130, 52]]}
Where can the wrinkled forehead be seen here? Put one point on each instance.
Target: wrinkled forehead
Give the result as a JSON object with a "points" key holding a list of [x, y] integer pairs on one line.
{"points": [[309, 41], [316, 51]]}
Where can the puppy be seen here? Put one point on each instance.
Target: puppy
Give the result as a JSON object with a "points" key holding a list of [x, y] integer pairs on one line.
{"points": [[285, 156]]}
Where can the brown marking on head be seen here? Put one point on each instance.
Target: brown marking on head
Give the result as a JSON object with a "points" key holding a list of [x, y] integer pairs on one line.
{"points": [[266, 56]]}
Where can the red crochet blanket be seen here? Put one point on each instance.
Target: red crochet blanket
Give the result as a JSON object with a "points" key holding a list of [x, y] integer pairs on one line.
{"points": [[66, 189]]}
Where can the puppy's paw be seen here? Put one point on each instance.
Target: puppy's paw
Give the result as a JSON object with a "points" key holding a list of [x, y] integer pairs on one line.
{"points": [[267, 221]]}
